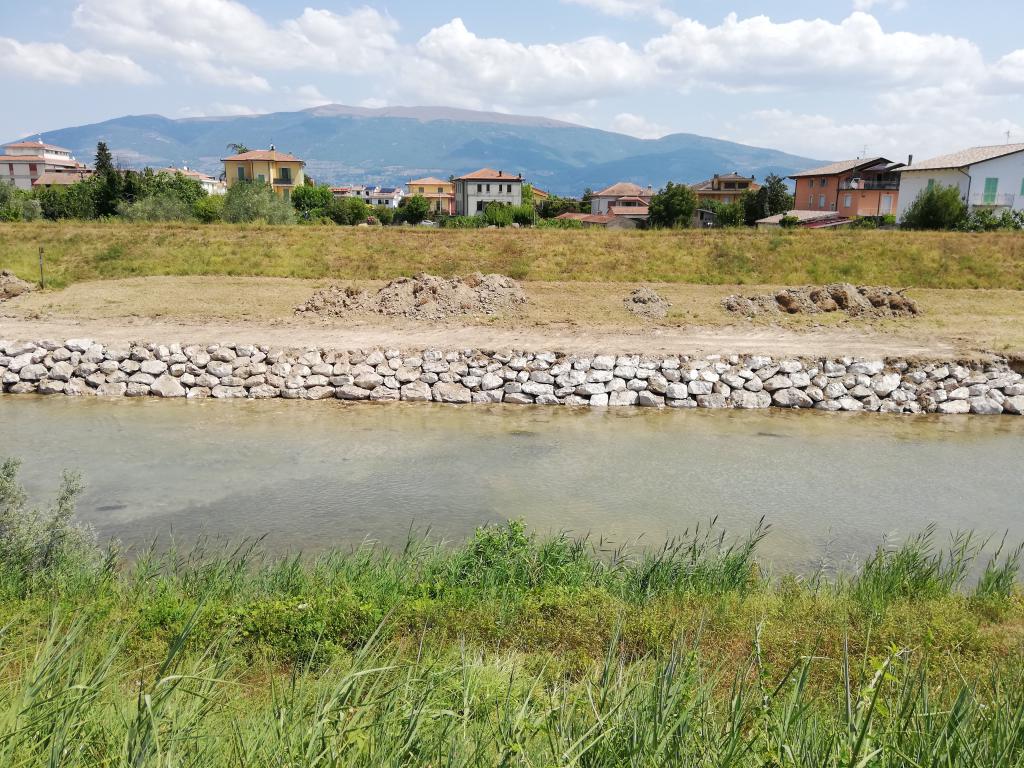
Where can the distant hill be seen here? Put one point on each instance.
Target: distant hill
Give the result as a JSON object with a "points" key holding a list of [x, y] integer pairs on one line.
{"points": [[393, 144]]}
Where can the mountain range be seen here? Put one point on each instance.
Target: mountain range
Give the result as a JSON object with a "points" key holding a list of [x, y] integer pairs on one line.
{"points": [[394, 144]]}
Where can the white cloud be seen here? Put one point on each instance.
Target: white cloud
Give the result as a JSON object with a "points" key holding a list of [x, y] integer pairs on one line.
{"points": [[56, 63], [309, 96], [637, 125], [373, 103], [653, 8], [224, 38], [867, 5], [477, 70], [758, 51]]}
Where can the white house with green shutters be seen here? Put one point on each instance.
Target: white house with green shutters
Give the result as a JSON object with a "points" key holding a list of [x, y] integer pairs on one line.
{"points": [[988, 177]]}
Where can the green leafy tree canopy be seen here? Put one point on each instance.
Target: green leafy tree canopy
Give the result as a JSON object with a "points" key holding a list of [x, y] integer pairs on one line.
{"points": [[673, 206]]}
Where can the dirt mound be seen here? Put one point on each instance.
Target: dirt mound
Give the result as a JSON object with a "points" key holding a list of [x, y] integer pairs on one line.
{"points": [[11, 286], [424, 296], [647, 303], [869, 300]]}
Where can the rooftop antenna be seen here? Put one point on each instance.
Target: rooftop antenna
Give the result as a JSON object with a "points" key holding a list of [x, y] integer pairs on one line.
{"points": [[865, 152], [1008, 137]]}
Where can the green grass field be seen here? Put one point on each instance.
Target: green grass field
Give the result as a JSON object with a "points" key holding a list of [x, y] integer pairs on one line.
{"points": [[502, 651], [77, 251]]}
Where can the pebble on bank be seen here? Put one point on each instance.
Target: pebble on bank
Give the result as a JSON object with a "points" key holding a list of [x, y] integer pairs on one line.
{"points": [[83, 367]]}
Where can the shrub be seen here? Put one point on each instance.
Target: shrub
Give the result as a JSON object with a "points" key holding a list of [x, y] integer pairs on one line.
{"points": [[311, 200], [160, 207], [789, 222], [524, 215], [75, 201], [463, 222], [384, 214], [36, 543], [937, 207], [559, 224], [248, 201], [413, 209], [498, 215], [347, 210], [209, 209]]}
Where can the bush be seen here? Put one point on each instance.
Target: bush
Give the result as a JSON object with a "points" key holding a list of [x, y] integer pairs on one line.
{"points": [[248, 201], [312, 201], [673, 206], [38, 544], [160, 207], [463, 222], [16, 205], [937, 207], [75, 201], [559, 224], [347, 211], [384, 214], [789, 222], [209, 209], [524, 215], [986, 220], [414, 209], [498, 215]]}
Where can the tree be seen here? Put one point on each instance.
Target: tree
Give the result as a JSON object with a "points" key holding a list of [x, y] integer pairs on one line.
{"points": [[254, 201], [384, 214], [209, 209], [108, 188], [347, 210], [588, 195], [772, 198], [937, 207], [238, 148], [414, 209], [673, 206], [498, 215], [312, 201], [528, 194]]}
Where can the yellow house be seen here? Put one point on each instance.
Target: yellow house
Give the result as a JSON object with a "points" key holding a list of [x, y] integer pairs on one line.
{"points": [[283, 172], [439, 193]]}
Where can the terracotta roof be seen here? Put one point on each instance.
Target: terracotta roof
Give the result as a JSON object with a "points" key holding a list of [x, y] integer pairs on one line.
{"points": [[802, 216], [966, 157], [623, 189], [841, 167], [575, 216], [186, 172], [632, 200], [61, 178], [708, 184], [34, 145], [629, 210], [540, 192], [40, 159], [489, 174], [266, 154], [430, 180]]}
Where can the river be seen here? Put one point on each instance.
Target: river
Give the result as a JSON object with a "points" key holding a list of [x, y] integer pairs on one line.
{"points": [[315, 475]]}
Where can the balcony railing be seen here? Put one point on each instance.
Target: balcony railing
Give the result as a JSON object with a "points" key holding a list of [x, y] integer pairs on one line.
{"points": [[284, 181], [998, 200], [870, 184]]}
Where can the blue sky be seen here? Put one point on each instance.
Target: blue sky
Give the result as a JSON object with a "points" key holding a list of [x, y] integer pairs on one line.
{"points": [[895, 76]]}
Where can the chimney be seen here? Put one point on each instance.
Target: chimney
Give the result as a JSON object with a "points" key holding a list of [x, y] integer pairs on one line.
{"points": [[500, 174], [910, 159], [272, 147]]}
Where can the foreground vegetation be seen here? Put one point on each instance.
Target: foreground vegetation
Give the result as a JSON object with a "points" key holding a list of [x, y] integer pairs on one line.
{"points": [[76, 251], [505, 650]]}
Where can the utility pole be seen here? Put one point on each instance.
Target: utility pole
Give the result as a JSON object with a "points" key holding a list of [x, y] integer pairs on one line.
{"points": [[42, 279]]}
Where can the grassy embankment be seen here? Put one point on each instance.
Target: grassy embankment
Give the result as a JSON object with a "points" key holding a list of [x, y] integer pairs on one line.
{"points": [[502, 651], [77, 251]]}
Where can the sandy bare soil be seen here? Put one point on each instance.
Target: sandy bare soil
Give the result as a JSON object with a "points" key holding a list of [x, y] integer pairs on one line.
{"points": [[570, 317]]}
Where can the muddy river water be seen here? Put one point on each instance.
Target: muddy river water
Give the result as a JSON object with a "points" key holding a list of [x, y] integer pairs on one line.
{"points": [[316, 475]]}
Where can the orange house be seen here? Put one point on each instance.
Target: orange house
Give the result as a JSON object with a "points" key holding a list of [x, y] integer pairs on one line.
{"points": [[851, 188]]}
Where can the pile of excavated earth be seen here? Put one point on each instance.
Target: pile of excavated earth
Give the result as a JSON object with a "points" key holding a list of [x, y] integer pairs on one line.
{"points": [[11, 286], [424, 297], [645, 302], [855, 301]]}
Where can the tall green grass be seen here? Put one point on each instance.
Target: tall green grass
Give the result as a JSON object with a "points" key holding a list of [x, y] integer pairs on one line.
{"points": [[502, 650]]}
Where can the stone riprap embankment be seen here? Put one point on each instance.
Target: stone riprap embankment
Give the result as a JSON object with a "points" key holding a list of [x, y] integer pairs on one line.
{"points": [[83, 367]]}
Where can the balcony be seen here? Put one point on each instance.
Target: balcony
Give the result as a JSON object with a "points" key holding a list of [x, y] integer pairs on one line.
{"points": [[998, 200], [284, 181], [870, 184]]}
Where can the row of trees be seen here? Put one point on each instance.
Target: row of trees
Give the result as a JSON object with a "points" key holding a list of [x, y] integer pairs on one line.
{"points": [[674, 206]]}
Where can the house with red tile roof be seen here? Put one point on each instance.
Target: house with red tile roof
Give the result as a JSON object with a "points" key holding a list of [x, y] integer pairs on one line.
{"points": [[610, 197], [475, 191], [23, 162], [725, 188], [863, 187], [439, 193], [282, 171]]}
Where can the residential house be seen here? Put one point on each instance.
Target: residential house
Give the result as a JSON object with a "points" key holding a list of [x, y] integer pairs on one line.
{"points": [[23, 162], [987, 177], [62, 178], [440, 194], [283, 172], [474, 191], [806, 220], [618, 195], [725, 188], [389, 197], [851, 188], [605, 220], [209, 184]]}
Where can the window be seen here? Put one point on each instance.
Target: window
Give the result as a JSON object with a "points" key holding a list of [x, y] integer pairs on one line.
{"points": [[810, 200], [440, 190], [931, 184], [286, 175], [510, 189], [847, 201], [886, 205], [991, 188], [1022, 186], [479, 206], [421, 190], [479, 188], [821, 201], [32, 168], [241, 173], [488, 187]]}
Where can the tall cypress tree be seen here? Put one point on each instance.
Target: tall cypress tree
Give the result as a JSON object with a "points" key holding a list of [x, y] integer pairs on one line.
{"points": [[108, 182]]}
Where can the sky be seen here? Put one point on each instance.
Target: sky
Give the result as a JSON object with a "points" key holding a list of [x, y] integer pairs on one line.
{"points": [[831, 80]]}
